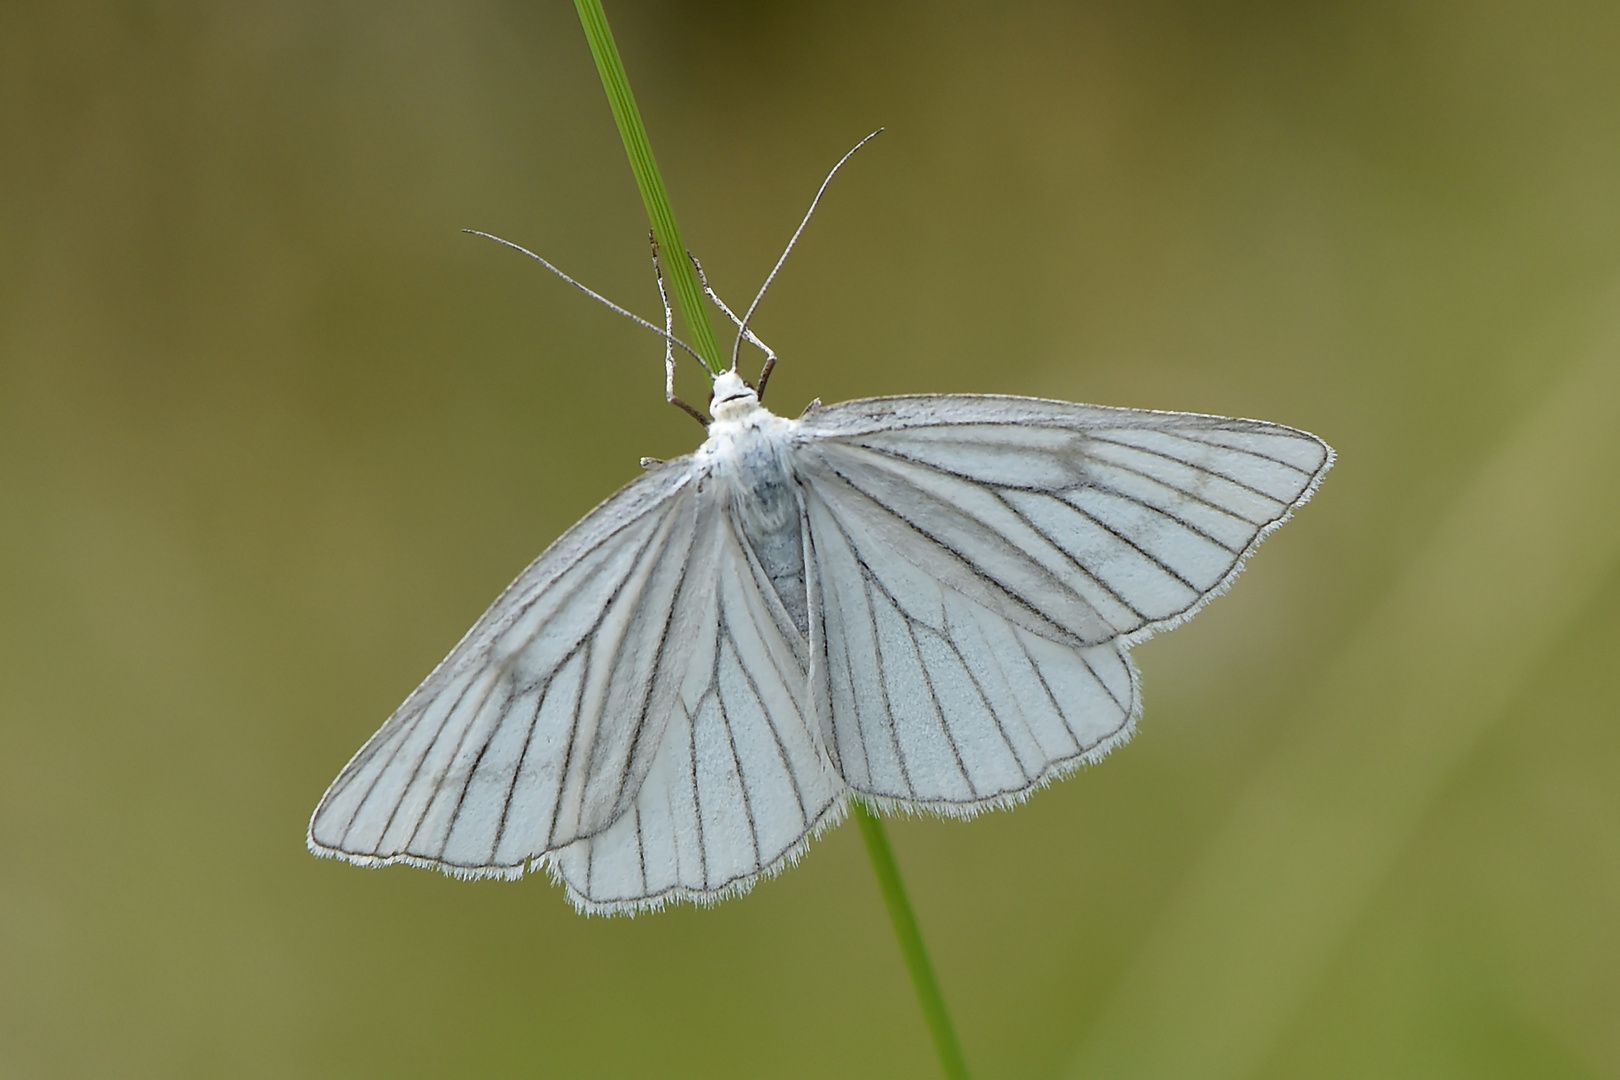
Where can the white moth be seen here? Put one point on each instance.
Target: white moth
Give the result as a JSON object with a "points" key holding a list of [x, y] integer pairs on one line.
{"points": [[923, 603]]}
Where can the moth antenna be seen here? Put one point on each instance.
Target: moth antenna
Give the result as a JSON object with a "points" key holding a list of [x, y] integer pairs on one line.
{"points": [[742, 327], [592, 293]]}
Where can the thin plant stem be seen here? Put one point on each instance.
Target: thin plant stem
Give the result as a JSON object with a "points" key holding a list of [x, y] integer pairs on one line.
{"points": [[911, 944], [617, 84], [689, 296]]}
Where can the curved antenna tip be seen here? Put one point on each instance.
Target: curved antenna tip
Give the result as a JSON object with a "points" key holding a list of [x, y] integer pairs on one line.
{"points": [[742, 328]]}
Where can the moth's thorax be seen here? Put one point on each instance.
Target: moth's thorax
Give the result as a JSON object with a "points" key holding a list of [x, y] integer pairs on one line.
{"points": [[742, 428], [748, 452]]}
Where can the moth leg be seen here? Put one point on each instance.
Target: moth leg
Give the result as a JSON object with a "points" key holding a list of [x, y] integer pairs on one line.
{"points": [[748, 335], [669, 348]]}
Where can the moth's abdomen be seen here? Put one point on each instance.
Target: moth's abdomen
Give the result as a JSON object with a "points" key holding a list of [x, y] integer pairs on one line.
{"points": [[767, 507]]}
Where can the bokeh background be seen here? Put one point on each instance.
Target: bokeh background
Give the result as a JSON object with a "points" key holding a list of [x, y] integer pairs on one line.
{"points": [[273, 433]]}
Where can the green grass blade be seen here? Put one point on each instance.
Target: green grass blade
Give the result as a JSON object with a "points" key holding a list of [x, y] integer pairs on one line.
{"points": [[688, 296], [911, 944]]}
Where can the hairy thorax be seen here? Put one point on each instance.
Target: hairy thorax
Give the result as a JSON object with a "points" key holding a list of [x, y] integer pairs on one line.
{"points": [[747, 455]]}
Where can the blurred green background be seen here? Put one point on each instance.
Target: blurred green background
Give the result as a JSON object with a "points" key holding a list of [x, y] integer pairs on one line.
{"points": [[273, 433]]}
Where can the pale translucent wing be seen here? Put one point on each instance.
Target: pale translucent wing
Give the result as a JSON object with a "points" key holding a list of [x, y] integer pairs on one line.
{"points": [[1078, 522], [537, 727], [935, 699], [982, 564], [741, 779]]}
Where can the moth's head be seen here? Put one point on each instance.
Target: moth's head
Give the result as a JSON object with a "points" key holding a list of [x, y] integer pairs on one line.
{"points": [[732, 398]]}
